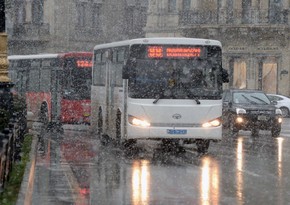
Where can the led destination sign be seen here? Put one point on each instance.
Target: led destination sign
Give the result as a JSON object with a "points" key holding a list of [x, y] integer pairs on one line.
{"points": [[84, 63], [174, 52]]}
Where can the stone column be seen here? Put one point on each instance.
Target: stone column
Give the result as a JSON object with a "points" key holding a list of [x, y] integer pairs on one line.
{"points": [[3, 46], [5, 85]]}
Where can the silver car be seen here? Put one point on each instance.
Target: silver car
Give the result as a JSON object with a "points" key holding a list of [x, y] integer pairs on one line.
{"points": [[283, 103]]}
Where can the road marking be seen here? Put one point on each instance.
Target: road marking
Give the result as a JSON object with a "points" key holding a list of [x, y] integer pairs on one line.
{"points": [[73, 183], [29, 189]]}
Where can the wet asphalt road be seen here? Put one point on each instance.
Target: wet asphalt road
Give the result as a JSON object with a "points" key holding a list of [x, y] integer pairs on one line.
{"points": [[74, 168]]}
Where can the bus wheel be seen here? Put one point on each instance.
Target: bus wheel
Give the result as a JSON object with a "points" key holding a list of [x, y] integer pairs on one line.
{"points": [[43, 114], [105, 140], [118, 129], [128, 144], [202, 146]]}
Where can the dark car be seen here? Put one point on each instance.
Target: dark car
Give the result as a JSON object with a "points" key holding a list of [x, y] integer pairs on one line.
{"points": [[250, 110]]}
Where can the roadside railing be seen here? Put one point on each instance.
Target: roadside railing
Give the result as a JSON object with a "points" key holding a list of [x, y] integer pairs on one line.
{"points": [[11, 139]]}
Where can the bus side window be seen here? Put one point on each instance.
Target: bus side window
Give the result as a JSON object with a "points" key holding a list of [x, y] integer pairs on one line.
{"points": [[45, 78], [118, 61], [99, 69]]}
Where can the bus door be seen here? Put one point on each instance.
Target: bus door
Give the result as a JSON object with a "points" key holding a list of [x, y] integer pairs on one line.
{"points": [[56, 94]]}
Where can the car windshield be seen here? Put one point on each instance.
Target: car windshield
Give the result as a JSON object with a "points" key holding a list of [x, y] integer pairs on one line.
{"points": [[250, 98]]}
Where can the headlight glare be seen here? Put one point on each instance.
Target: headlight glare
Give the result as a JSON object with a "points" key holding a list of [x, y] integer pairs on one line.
{"points": [[239, 120], [138, 122], [213, 123]]}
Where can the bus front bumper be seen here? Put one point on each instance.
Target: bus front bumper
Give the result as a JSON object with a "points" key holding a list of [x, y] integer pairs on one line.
{"points": [[134, 132]]}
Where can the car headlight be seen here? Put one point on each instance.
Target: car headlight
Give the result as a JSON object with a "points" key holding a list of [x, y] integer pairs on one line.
{"points": [[241, 111], [138, 122], [213, 123], [278, 112]]}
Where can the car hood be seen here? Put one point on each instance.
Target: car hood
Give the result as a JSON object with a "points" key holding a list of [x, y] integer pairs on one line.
{"points": [[254, 107]]}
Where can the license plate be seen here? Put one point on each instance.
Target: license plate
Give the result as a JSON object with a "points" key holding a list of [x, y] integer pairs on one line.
{"points": [[176, 132], [262, 117]]}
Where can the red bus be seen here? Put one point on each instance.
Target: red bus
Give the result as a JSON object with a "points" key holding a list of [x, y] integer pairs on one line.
{"points": [[56, 86]]}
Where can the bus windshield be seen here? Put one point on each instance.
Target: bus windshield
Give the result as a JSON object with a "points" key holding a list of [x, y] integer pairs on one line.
{"points": [[77, 79], [174, 79]]}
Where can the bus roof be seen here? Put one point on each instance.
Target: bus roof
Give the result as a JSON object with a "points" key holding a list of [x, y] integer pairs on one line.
{"points": [[161, 40], [35, 56], [49, 55]]}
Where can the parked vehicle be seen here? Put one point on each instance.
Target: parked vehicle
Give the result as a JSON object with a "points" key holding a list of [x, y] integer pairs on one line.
{"points": [[250, 110], [56, 86], [283, 103]]}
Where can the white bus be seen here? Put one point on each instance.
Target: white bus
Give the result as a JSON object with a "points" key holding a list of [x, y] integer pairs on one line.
{"points": [[166, 89]]}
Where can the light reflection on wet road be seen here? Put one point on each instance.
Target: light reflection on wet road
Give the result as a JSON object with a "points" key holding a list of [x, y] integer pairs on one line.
{"points": [[76, 169]]}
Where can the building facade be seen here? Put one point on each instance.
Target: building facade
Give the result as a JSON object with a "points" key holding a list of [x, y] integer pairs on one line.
{"points": [[49, 26], [255, 35]]}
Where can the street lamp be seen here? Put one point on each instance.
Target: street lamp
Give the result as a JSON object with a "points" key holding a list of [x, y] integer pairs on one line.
{"points": [[5, 83]]}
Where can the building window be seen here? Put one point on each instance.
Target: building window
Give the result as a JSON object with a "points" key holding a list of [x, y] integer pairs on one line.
{"points": [[186, 5], [37, 11], [20, 12], [246, 11], [81, 14], [96, 16], [171, 5], [275, 8], [268, 74], [238, 73]]}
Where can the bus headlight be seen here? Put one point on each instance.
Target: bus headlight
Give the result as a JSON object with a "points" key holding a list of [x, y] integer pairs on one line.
{"points": [[138, 122], [213, 123]]}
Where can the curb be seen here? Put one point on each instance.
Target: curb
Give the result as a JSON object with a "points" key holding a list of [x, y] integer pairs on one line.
{"points": [[26, 189]]}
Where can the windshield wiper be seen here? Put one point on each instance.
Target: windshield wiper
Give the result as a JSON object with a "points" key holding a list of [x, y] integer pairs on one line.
{"points": [[260, 100], [253, 102], [161, 95], [196, 100], [189, 94]]}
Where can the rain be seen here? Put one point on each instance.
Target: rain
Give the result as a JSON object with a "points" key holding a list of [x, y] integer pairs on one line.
{"points": [[146, 102]]}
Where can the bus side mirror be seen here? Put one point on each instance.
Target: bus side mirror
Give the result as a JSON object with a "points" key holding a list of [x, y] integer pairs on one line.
{"points": [[128, 68], [225, 76]]}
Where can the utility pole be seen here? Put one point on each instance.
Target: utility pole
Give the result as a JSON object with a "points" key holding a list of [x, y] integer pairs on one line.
{"points": [[5, 82]]}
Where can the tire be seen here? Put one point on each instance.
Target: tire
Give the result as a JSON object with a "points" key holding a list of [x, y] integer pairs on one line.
{"points": [[275, 131], [232, 127], [100, 124], [285, 111], [105, 140], [202, 146], [118, 129], [128, 144], [43, 115]]}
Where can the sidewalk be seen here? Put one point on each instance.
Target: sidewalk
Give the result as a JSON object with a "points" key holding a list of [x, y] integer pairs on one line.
{"points": [[26, 189]]}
